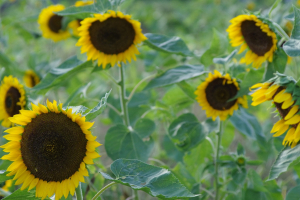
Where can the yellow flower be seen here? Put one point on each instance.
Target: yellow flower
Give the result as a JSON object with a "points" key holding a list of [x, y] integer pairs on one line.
{"points": [[51, 24], [213, 95], [75, 24], [50, 149], [12, 99], [254, 35], [110, 38], [286, 105], [7, 185], [31, 78]]}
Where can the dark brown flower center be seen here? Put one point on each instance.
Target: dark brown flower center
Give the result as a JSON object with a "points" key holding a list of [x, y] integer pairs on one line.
{"points": [[11, 99], [55, 23], [112, 36], [218, 94], [257, 40], [32, 79], [53, 146]]}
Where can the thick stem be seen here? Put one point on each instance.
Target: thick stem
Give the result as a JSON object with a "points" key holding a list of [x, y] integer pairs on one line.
{"points": [[219, 135], [281, 31], [123, 98], [78, 192], [136, 196], [102, 190]]}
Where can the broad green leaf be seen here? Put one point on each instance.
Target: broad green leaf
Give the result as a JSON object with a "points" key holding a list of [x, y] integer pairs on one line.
{"points": [[103, 5], [176, 75], [275, 4], [116, 3], [239, 175], [217, 48], [187, 89], [3, 176], [255, 181], [77, 109], [144, 127], [226, 59], [247, 124], [171, 150], [292, 46], [81, 90], [251, 194], [278, 64], [274, 191], [58, 76], [7, 63], [79, 12], [186, 131], [293, 193], [23, 194], [284, 159], [156, 181], [120, 142], [98, 109], [184, 176], [172, 45], [252, 77]]}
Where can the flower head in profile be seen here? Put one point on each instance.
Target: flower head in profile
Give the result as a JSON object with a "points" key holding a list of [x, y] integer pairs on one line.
{"points": [[255, 36], [49, 149], [285, 95], [110, 38], [12, 99], [51, 23], [215, 93], [75, 24], [31, 78]]}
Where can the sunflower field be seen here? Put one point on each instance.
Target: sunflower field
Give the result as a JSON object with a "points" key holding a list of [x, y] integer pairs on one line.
{"points": [[150, 99]]}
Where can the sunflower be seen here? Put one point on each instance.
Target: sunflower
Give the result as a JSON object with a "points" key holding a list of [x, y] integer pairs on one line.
{"points": [[31, 78], [50, 149], [51, 23], [284, 93], [214, 95], [252, 33], [7, 185], [75, 24], [111, 38], [12, 99]]}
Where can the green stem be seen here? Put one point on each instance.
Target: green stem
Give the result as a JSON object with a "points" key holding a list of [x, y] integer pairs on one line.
{"points": [[123, 98], [136, 196], [78, 192], [102, 190], [219, 135], [281, 31]]}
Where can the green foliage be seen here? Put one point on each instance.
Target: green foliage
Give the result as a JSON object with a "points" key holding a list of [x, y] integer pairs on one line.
{"points": [[172, 45], [293, 193], [156, 181], [176, 75], [23, 194]]}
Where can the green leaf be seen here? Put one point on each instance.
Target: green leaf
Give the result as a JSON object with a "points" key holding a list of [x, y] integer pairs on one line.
{"points": [[278, 64], [251, 194], [78, 12], [217, 48], [252, 77], [144, 127], [57, 76], [171, 150], [275, 4], [103, 5], [184, 176], [187, 89], [255, 181], [247, 124], [6, 62], [3, 176], [120, 142], [81, 90], [287, 156], [226, 59], [293, 193], [239, 175], [292, 46], [156, 181], [186, 132], [23, 194], [116, 3], [98, 109], [274, 191], [172, 45], [176, 75]]}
